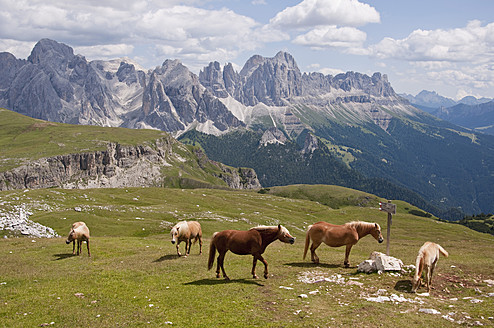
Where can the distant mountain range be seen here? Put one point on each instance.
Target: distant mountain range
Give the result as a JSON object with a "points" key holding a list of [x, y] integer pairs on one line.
{"points": [[469, 112], [291, 127]]}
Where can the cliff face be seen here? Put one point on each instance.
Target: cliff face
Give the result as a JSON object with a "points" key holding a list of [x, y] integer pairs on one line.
{"points": [[117, 166]]}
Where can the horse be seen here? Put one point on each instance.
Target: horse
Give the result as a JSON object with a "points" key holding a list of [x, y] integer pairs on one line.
{"points": [[426, 261], [339, 235], [186, 231], [79, 232], [253, 241]]}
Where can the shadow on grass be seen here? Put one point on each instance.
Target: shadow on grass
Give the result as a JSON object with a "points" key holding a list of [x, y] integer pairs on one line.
{"points": [[313, 265], [63, 256], [167, 258], [403, 286], [220, 281]]}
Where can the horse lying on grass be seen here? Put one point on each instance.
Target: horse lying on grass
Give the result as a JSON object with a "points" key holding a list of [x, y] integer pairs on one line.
{"points": [[339, 235], [186, 231], [253, 241], [426, 262], [79, 232]]}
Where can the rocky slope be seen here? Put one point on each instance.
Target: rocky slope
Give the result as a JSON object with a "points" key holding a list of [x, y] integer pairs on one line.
{"points": [[118, 166]]}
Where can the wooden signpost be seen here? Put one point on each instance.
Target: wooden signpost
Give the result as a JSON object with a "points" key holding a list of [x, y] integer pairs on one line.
{"points": [[390, 209]]}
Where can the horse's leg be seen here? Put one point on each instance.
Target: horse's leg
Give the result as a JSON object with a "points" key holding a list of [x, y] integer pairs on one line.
{"points": [[347, 254], [79, 246], [88, 252], [200, 245], [178, 251], [265, 266], [221, 259], [427, 278], [254, 262], [313, 248], [73, 247], [190, 245]]}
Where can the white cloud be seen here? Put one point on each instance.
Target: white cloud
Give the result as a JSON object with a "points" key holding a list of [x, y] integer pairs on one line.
{"points": [[312, 13], [108, 51], [332, 36], [110, 27], [473, 43]]}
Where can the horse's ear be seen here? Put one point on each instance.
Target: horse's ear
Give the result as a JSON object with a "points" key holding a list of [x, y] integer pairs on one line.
{"points": [[279, 226], [375, 224]]}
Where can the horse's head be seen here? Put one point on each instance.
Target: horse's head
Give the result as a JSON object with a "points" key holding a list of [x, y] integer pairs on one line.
{"points": [[174, 233], [284, 235], [376, 233], [71, 237]]}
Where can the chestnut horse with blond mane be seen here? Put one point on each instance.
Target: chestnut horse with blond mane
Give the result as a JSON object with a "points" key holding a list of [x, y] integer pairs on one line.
{"points": [[253, 241], [333, 235]]}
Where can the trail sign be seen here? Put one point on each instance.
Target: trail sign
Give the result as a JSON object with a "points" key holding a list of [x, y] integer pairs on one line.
{"points": [[387, 207], [390, 209]]}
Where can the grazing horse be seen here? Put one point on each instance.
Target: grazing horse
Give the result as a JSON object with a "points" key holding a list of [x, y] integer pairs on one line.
{"points": [[339, 235], [79, 232], [186, 231], [426, 262], [253, 241]]}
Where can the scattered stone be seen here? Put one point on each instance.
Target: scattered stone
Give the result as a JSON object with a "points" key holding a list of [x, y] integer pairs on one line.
{"points": [[367, 266], [303, 296], [17, 221], [80, 295], [380, 262], [429, 311], [490, 282], [283, 287]]}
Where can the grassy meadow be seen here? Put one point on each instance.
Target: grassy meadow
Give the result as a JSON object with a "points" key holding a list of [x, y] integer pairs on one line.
{"points": [[135, 279]]}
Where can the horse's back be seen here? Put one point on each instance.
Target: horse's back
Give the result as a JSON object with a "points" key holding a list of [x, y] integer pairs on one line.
{"points": [[238, 241], [332, 234], [195, 228], [76, 225]]}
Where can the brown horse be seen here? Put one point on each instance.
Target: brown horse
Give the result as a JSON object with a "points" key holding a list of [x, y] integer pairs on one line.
{"points": [[253, 241], [339, 235], [186, 231]]}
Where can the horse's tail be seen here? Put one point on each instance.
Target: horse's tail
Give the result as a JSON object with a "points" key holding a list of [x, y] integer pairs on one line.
{"points": [[307, 241], [212, 252], [442, 250]]}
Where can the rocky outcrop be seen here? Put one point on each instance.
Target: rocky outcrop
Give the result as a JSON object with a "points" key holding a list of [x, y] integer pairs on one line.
{"points": [[262, 80], [17, 222], [117, 166]]}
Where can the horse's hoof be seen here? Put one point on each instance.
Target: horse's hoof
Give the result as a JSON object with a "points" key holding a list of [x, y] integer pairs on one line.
{"points": [[265, 276], [347, 265], [227, 279], [255, 276]]}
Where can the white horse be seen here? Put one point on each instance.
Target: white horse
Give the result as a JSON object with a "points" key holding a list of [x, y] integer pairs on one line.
{"points": [[186, 231]]}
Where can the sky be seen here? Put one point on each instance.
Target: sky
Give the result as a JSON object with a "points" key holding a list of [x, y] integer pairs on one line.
{"points": [[445, 46]]}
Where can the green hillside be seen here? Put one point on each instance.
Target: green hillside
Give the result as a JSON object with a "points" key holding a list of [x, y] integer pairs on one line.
{"points": [[24, 139], [134, 277]]}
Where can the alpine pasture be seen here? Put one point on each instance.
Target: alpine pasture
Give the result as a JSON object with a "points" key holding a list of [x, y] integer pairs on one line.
{"points": [[134, 277]]}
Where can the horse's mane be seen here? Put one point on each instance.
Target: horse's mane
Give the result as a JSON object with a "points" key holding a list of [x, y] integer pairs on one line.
{"points": [[261, 228], [361, 225]]}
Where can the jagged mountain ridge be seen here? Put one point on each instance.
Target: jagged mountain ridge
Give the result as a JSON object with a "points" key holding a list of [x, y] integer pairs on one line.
{"points": [[57, 85], [469, 112], [358, 117]]}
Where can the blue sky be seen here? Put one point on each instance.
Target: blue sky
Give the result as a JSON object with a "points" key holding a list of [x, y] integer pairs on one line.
{"points": [[445, 46]]}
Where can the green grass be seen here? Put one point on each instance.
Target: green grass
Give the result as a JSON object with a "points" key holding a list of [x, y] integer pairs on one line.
{"points": [[134, 277], [25, 138]]}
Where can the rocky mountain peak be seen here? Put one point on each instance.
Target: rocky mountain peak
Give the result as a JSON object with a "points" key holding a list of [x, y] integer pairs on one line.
{"points": [[49, 50]]}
